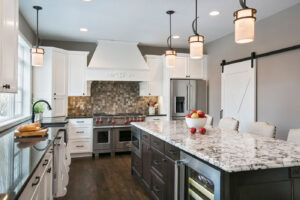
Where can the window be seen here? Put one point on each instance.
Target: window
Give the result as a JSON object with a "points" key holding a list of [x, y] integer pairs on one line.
{"points": [[13, 106]]}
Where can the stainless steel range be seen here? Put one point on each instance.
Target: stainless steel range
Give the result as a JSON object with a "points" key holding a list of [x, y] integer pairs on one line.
{"points": [[112, 133]]}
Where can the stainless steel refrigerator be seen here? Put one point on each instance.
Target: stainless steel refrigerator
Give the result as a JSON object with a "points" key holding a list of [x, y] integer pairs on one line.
{"points": [[187, 95]]}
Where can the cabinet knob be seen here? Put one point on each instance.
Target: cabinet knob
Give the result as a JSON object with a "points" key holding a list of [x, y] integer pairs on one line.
{"points": [[83, 93], [7, 86], [54, 93]]}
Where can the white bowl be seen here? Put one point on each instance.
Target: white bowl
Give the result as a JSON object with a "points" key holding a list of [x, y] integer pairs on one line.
{"points": [[195, 122]]}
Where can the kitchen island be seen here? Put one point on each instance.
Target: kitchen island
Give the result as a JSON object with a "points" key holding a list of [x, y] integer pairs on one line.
{"points": [[217, 165]]}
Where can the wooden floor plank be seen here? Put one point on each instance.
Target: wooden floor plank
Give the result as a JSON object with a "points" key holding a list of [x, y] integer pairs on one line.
{"points": [[103, 178]]}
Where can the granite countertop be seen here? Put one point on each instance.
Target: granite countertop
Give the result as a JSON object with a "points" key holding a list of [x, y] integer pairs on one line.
{"points": [[228, 150], [19, 159]]}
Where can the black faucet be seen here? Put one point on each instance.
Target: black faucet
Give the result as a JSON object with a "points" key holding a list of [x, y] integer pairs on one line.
{"points": [[33, 115]]}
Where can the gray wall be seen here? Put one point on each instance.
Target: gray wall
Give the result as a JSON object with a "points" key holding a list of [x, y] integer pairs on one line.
{"points": [[278, 76], [26, 30], [90, 46]]}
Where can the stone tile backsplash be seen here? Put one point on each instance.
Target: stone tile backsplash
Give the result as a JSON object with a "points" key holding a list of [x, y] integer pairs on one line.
{"points": [[110, 98]]}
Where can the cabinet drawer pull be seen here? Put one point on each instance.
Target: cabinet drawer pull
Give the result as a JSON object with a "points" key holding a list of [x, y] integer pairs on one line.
{"points": [[172, 151], [156, 143], [37, 178], [156, 189], [46, 162], [79, 121], [7, 86], [79, 131], [49, 170], [80, 146], [156, 162], [156, 119]]}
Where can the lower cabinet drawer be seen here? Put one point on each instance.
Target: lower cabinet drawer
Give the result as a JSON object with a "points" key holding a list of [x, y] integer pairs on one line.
{"points": [[157, 187], [80, 132], [80, 146]]}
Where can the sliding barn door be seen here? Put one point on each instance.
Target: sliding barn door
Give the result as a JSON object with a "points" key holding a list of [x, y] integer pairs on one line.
{"points": [[239, 93]]}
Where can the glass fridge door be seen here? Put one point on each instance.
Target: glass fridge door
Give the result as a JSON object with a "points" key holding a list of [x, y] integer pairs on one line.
{"points": [[198, 187]]}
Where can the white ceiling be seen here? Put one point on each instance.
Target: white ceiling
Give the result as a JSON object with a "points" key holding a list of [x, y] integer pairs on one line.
{"points": [[141, 21]]}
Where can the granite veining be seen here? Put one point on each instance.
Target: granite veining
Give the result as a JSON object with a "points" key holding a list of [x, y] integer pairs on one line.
{"points": [[228, 150]]}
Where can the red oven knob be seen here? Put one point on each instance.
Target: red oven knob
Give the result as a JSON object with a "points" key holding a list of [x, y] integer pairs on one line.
{"points": [[142, 120], [101, 122], [109, 121], [134, 120], [126, 122], [131, 120], [97, 121], [113, 122], [138, 120]]}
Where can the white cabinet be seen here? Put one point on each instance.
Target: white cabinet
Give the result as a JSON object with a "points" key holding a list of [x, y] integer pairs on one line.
{"points": [[80, 133], [185, 67], [154, 86], [50, 81], [77, 84], [9, 17], [39, 186]]}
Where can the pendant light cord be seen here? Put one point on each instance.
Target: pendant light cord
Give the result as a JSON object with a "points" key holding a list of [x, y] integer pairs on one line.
{"points": [[243, 4], [170, 31], [195, 22], [37, 28]]}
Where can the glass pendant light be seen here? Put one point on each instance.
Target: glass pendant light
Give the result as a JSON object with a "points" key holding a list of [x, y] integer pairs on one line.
{"points": [[196, 41], [37, 54], [244, 24], [170, 53]]}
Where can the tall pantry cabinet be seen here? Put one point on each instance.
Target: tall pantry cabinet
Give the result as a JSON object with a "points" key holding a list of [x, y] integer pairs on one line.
{"points": [[50, 81]]}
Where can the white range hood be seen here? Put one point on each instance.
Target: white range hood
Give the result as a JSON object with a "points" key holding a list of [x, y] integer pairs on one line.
{"points": [[117, 61]]}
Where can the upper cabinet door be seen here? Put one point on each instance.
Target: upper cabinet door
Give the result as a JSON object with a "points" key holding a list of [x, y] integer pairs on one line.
{"points": [[156, 75], [181, 68], [77, 63], [9, 17], [59, 73], [196, 68]]}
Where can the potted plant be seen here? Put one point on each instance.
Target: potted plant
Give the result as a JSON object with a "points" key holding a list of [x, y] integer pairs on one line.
{"points": [[38, 111]]}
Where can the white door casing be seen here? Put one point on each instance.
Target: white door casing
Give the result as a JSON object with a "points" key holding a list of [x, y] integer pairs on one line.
{"points": [[239, 93]]}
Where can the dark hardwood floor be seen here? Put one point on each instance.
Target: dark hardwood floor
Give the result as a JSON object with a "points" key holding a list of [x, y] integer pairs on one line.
{"points": [[103, 178]]}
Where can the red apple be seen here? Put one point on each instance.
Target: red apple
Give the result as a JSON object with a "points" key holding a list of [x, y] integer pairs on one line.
{"points": [[202, 131], [193, 130], [194, 111], [188, 115], [101, 121], [201, 114]]}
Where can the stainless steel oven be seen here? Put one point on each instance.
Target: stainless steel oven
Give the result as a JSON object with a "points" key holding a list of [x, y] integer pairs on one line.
{"points": [[195, 179], [136, 146], [122, 138], [102, 140]]}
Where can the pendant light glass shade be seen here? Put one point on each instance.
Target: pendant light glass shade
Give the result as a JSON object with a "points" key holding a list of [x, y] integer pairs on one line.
{"points": [[244, 25], [170, 58], [37, 57], [196, 46]]}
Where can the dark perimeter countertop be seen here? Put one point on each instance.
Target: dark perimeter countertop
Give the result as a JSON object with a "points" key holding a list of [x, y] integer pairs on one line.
{"points": [[19, 160]]}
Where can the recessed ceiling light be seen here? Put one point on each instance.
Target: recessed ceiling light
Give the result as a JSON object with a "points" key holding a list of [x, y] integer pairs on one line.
{"points": [[83, 29], [214, 13], [175, 36], [87, 0]]}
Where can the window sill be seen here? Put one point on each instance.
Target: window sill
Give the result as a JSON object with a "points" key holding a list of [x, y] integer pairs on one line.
{"points": [[13, 122]]}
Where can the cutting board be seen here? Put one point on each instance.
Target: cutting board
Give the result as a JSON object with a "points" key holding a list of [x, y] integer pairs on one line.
{"points": [[41, 132]]}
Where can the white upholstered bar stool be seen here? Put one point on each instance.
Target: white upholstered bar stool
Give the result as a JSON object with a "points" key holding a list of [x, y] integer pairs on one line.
{"points": [[209, 121], [294, 136], [262, 129], [229, 124]]}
